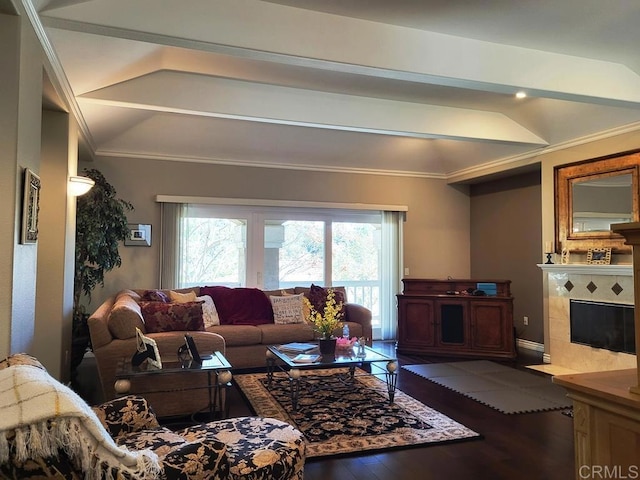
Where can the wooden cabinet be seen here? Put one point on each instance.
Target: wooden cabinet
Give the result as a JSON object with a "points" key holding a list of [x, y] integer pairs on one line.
{"points": [[442, 317]]}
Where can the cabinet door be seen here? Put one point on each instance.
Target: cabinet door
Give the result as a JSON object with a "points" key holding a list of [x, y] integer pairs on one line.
{"points": [[491, 325], [451, 323], [415, 322]]}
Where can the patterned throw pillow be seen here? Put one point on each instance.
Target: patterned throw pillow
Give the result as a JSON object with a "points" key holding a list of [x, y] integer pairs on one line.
{"points": [[287, 309], [169, 317], [155, 296], [209, 311]]}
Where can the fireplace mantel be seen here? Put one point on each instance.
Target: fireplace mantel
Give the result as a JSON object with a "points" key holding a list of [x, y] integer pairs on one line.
{"points": [[585, 269]]}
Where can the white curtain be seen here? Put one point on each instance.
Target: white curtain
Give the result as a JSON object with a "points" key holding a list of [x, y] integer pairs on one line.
{"points": [[391, 273]]}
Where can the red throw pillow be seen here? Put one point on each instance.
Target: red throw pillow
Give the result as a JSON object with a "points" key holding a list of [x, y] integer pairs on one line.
{"points": [[240, 306], [169, 317]]}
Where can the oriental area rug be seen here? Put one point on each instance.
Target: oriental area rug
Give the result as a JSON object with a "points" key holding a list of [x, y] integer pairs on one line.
{"points": [[497, 386], [341, 416]]}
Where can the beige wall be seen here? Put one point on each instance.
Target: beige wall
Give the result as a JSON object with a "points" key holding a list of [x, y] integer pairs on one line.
{"points": [[20, 97], [506, 222], [29, 274], [56, 245], [436, 233]]}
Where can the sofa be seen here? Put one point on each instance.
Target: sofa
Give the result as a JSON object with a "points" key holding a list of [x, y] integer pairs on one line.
{"points": [[247, 321], [48, 431]]}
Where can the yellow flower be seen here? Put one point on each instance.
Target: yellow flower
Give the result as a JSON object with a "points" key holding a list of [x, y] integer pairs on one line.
{"points": [[328, 320]]}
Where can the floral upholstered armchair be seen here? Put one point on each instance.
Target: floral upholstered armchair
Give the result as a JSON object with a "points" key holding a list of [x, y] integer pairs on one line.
{"points": [[51, 433]]}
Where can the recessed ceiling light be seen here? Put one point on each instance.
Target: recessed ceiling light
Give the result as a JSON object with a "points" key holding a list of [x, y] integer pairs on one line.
{"points": [[521, 94]]}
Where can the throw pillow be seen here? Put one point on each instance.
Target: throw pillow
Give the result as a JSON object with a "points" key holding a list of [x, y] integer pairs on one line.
{"points": [[155, 296], [209, 312], [169, 317], [178, 297], [240, 306], [287, 309], [318, 297]]}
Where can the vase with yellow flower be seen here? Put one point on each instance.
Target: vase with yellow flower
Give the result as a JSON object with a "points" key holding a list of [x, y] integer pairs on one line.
{"points": [[325, 321]]}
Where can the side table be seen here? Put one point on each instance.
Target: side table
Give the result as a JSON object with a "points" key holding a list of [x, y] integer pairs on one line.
{"points": [[217, 369]]}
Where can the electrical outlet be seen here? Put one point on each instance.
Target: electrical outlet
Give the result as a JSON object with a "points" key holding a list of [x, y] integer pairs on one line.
{"points": [[526, 321], [406, 270]]}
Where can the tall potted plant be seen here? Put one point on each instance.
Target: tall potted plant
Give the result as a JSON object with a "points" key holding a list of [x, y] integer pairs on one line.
{"points": [[101, 223]]}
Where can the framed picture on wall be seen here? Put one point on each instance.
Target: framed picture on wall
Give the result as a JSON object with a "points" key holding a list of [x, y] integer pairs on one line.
{"points": [[30, 207], [139, 235], [599, 256]]}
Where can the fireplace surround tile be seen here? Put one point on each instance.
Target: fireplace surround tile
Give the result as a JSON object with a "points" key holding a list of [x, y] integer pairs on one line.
{"points": [[562, 352]]}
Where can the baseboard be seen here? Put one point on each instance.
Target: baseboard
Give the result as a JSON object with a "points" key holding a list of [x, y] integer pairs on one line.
{"points": [[529, 345]]}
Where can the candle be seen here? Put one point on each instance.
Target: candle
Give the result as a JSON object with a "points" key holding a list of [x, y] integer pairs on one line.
{"points": [[548, 247]]}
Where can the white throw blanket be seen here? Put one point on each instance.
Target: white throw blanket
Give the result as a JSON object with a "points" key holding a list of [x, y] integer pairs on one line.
{"points": [[47, 416]]}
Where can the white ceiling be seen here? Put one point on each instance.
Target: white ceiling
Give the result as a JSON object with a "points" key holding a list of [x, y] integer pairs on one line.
{"points": [[407, 87]]}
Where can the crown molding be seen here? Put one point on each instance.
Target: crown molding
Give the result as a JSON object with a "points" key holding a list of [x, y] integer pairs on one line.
{"points": [[58, 77], [270, 165]]}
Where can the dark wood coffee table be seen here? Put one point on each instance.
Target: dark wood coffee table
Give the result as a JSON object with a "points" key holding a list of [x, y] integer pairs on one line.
{"points": [[343, 358]]}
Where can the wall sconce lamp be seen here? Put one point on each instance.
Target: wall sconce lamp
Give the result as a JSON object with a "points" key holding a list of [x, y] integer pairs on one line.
{"points": [[79, 185]]}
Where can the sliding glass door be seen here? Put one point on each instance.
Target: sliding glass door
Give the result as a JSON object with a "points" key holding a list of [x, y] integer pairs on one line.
{"points": [[273, 248]]}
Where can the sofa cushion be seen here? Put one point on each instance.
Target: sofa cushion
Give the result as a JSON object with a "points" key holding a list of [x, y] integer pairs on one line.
{"points": [[240, 306], [294, 332], [287, 309], [169, 317], [124, 317], [237, 335]]}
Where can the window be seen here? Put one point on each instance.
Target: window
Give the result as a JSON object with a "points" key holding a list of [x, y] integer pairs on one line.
{"points": [[272, 248]]}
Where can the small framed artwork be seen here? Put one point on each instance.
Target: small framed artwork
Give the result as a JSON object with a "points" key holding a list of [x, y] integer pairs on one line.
{"points": [[599, 256], [139, 235], [147, 349], [30, 207]]}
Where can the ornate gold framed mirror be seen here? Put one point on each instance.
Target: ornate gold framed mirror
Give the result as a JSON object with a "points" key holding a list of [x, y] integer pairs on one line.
{"points": [[592, 195]]}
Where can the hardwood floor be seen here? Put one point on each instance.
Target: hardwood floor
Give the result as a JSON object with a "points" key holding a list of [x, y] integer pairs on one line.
{"points": [[531, 446]]}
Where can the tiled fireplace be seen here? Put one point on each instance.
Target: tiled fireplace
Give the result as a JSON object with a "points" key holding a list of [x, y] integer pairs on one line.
{"points": [[597, 283]]}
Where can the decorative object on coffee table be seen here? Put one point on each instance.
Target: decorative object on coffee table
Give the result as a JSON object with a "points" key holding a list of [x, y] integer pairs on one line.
{"points": [[327, 346], [146, 349], [326, 321], [216, 368]]}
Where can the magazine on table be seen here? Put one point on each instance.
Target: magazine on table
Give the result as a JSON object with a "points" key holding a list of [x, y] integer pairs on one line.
{"points": [[297, 347], [306, 358]]}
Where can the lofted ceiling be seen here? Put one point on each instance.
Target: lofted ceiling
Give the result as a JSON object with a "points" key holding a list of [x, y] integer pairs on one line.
{"points": [[403, 87]]}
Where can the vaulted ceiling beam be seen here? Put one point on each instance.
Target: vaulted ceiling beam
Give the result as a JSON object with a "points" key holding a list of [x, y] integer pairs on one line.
{"points": [[179, 92], [264, 31]]}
